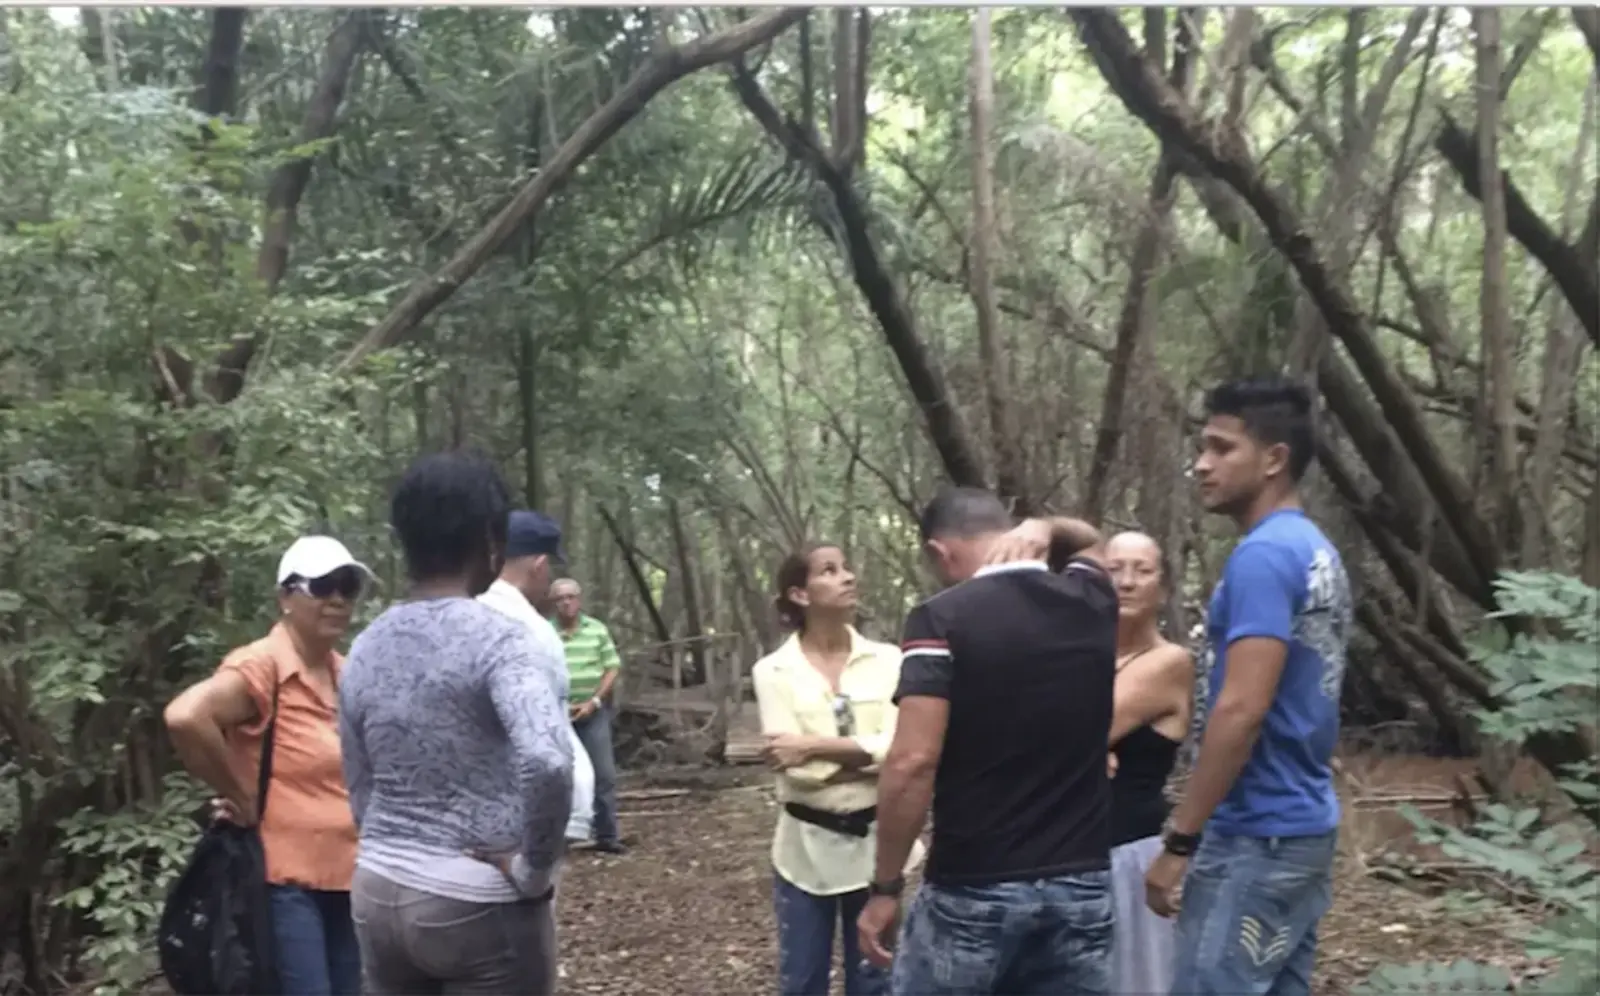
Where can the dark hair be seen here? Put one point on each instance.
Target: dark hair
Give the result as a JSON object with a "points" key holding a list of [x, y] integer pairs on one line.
{"points": [[447, 511], [1274, 410], [794, 572], [964, 512]]}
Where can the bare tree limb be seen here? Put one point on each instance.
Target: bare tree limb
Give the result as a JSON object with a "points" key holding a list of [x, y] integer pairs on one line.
{"points": [[1497, 378], [1153, 100], [945, 426], [661, 71], [641, 584], [1564, 261], [289, 182], [1534, 25]]}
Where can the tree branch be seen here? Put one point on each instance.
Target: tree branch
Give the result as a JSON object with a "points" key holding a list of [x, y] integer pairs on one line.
{"points": [[1563, 260], [945, 426], [289, 182], [1153, 100], [660, 72]]}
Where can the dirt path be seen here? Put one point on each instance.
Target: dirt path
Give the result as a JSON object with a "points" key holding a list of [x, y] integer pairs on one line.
{"points": [[688, 911]]}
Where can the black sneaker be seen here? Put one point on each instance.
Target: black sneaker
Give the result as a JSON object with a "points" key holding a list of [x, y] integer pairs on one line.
{"points": [[610, 847]]}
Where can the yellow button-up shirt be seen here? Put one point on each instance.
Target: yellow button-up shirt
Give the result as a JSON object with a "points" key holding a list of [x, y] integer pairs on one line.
{"points": [[795, 698]]}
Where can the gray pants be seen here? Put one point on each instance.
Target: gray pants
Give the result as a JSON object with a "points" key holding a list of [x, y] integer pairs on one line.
{"points": [[415, 943]]}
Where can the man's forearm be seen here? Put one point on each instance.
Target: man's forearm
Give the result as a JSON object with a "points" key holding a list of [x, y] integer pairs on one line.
{"points": [[904, 795], [1226, 746], [609, 678]]}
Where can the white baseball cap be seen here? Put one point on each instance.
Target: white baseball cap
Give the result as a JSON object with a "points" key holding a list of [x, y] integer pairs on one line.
{"points": [[315, 557]]}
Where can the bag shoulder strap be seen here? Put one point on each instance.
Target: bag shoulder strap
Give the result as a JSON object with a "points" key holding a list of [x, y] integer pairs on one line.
{"points": [[264, 771]]}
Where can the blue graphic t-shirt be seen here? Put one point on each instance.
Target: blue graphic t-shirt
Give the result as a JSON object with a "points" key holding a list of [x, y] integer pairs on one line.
{"points": [[1285, 581]]}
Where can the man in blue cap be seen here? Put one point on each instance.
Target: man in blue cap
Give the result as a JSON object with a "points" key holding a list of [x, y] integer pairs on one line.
{"points": [[533, 542]]}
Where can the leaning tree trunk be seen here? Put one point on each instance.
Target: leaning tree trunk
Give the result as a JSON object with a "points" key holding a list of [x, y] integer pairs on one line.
{"points": [[641, 584], [1149, 97], [661, 71], [1571, 266], [1134, 320], [287, 187], [946, 429]]}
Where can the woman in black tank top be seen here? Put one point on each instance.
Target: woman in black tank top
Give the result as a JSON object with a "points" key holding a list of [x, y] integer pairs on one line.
{"points": [[1154, 695]]}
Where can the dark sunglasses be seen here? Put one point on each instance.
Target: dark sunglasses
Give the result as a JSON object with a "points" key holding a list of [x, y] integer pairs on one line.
{"points": [[845, 715], [346, 582]]}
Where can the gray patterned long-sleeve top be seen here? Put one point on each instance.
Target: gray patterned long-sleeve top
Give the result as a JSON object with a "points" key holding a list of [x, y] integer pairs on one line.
{"points": [[453, 725]]}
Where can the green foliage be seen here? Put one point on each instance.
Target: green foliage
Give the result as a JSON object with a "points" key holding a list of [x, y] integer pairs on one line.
{"points": [[1549, 683], [1546, 674], [139, 851], [694, 333], [138, 535], [1425, 977]]}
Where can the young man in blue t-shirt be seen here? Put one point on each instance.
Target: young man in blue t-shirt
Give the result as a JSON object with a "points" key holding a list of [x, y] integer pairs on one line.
{"points": [[1260, 875]]}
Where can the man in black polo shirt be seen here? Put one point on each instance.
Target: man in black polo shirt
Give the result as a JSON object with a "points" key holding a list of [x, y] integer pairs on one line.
{"points": [[1005, 706]]}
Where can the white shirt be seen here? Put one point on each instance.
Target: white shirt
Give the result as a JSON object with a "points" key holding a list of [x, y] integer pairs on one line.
{"points": [[794, 698], [507, 600]]}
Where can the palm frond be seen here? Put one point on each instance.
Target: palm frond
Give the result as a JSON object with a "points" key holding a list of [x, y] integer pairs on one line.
{"points": [[745, 188]]}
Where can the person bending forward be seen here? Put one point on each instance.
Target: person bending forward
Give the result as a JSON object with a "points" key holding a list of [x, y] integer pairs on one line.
{"points": [[1005, 705]]}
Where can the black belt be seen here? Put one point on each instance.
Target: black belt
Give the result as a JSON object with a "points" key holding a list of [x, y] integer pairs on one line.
{"points": [[854, 824]]}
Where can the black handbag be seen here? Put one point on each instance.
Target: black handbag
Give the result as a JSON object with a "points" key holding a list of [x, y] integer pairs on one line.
{"points": [[216, 936]]}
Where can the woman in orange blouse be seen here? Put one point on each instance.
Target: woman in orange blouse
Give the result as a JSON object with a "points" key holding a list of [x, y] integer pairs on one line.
{"points": [[307, 831]]}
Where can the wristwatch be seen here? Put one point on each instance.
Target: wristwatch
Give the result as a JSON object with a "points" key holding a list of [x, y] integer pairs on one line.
{"points": [[596, 703], [891, 888], [1180, 844]]}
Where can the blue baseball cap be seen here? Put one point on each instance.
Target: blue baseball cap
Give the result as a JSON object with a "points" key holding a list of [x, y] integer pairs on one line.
{"points": [[530, 534]]}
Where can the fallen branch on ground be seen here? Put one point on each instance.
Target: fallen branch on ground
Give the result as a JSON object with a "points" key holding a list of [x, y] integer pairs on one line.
{"points": [[651, 794]]}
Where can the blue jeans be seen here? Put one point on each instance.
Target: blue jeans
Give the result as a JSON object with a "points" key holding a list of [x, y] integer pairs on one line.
{"points": [[317, 952], [595, 732], [1046, 936], [806, 924], [1248, 922]]}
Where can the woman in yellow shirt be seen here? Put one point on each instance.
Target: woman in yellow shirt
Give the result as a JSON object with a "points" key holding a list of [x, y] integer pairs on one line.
{"points": [[826, 700]]}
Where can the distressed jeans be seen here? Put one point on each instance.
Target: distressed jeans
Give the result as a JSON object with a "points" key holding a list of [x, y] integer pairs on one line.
{"points": [[1248, 921], [595, 732], [1046, 936], [806, 927]]}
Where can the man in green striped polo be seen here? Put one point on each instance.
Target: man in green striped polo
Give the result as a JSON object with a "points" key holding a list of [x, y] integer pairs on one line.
{"points": [[592, 665]]}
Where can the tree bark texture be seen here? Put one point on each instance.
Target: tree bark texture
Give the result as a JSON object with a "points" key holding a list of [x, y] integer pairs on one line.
{"points": [[1009, 471]]}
